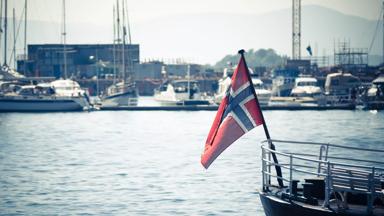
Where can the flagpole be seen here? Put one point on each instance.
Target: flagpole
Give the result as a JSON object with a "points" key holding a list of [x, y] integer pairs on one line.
{"points": [[278, 168]]}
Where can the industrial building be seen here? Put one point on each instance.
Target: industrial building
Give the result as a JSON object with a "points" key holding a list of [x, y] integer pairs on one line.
{"points": [[82, 60]]}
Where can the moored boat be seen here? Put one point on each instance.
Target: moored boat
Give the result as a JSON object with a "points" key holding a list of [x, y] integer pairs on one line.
{"points": [[374, 98], [305, 93], [306, 87], [179, 92], [293, 102], [341, 89], [120, 94], [263, 94], [123, 91], [59, 95], [283, 81]]}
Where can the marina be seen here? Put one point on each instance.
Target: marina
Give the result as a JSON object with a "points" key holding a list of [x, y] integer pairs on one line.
{"points": [[92, 124], [214, 108]]}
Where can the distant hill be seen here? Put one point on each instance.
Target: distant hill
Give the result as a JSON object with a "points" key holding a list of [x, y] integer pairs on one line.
{"points": [[261, 57], [208, 38]]}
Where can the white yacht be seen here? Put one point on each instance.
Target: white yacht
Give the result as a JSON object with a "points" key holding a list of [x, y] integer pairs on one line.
{"points": [[341, 89], [306, 87], [223, 85], [263, 94], [59, 95], [305, 93], [179, 92], [374, 98]]}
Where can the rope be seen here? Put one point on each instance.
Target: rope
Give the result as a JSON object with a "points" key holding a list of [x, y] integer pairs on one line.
{"points": [[376, 29]]}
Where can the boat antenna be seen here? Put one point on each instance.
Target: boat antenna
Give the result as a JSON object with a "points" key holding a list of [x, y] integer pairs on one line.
{"points": [[64, 42], [272, 146]]}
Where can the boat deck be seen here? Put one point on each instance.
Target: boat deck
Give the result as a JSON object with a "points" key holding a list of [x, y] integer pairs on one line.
{"points": [[292, 207], [322, 184]]}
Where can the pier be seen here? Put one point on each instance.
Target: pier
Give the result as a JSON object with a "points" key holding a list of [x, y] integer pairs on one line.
{"points": [[214, 108]]}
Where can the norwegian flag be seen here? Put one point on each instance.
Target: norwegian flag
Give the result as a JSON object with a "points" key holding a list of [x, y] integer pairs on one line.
{"points": [[238, 113]]}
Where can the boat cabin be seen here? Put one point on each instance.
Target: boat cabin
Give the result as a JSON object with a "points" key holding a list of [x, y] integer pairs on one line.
{"points": [[341, 83], [306, 87]]}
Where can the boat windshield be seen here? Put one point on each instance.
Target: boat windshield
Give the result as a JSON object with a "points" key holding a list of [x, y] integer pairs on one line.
{"points": [[308, 83], [258, 86], [182, 87]]}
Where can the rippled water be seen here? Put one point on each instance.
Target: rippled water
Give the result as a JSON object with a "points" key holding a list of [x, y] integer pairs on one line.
{"points": [[147, 163]]}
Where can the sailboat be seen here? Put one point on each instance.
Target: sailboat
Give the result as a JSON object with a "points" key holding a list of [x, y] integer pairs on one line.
{"points": [[60, 95], [322, 184], [123, 91]]}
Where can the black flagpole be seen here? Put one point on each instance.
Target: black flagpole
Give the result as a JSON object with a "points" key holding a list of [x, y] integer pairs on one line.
{"points": [[278, 168]]}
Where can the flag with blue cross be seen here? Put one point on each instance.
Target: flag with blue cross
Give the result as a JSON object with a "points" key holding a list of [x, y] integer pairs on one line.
{"points": [[238, 113]]}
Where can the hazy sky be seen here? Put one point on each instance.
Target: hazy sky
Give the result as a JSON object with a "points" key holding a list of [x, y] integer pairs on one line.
{"points": [[101, 10], [99, 13]]}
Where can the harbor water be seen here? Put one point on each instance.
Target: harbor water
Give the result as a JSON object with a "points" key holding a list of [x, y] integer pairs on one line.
{"points": [[148, 163]]}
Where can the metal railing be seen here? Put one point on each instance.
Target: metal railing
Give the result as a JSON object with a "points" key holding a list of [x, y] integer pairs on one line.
{"points": [[322, 165]]}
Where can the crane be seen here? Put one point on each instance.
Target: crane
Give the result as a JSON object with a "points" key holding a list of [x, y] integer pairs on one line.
{"points": [[296, 29]]}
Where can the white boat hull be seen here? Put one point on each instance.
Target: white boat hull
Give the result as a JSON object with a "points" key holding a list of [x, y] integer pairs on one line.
{"points": [[124, 99], [16, 104]]}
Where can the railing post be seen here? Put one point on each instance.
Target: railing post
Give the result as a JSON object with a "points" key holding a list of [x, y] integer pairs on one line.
{"points": [[327, 185], [371, 188], [290, 174], [269, 161], [322, 148], [263, 167]]}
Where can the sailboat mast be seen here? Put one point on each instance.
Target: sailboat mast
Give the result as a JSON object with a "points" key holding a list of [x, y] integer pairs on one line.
{"points": [[5, 31], [1, 21], [118, 33], [130, 60], [114, 45], [188, 83], [14, 38], [25, 37], [123, 45], [64, 42], [128, 25]]}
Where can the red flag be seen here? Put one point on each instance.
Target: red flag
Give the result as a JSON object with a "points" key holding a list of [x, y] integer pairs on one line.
{"points": [[238, 113]]}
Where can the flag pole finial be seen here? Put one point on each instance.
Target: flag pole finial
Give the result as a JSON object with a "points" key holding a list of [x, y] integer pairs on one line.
{"points": [[241, 52]]}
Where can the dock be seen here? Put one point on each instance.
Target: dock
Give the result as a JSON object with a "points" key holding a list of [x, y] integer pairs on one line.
{"points": [[214, 108]]}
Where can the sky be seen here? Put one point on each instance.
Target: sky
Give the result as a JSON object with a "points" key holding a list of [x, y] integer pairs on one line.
{"points": [[100, 13]]}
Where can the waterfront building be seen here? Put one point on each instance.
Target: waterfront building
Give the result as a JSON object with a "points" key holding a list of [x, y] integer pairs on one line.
{"points": [[83, 60]]}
